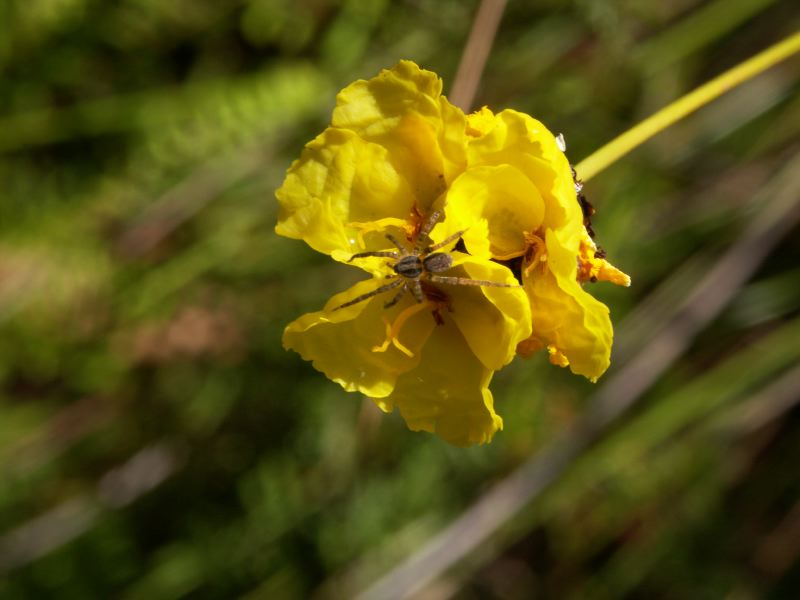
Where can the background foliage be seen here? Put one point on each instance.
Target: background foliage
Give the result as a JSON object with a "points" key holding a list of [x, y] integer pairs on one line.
{"points": [[156, 441]]}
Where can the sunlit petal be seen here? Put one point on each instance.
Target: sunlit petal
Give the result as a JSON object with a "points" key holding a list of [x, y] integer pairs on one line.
{"points": [[403, 109], [521, 141], [448, 392], [341, 343], [339, 180], [567, 317]]}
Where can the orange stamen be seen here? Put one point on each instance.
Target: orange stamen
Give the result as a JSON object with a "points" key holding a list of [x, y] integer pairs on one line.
{"points": [[536, 254], [527, 348], [591, 268]]}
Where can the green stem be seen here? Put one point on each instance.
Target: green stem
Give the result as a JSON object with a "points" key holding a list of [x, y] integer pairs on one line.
{"points": [[619, 147]]}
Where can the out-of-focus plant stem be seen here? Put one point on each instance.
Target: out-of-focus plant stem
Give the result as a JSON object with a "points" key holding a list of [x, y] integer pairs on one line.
{"points": [[476, 51]]}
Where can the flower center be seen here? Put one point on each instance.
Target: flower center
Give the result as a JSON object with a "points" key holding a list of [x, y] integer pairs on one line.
{"points": [[535, 254], [524, 261]]}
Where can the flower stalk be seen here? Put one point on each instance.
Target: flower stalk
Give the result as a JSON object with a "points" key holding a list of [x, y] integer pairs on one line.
{"points": [[607, 155]]}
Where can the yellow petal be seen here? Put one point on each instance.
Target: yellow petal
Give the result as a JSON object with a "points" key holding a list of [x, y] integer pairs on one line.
{"points": [[521, 141], [341, 180], [448, 392], [493, 320], [565, 316], [340, 342], [402, 108], [480, 122], [369, 106], [495, 206]]}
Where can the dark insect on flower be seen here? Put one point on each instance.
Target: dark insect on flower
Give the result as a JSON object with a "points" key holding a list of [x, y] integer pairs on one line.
{"points": [[586, 207], [417, 268], [588, 211]]}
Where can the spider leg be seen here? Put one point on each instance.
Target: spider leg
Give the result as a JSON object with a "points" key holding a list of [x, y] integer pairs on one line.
{"points": [[387, 253], [396, 298], [425, 230], [375, 292], [399, 246], [465, 281], [416, 289], [446, 241]]}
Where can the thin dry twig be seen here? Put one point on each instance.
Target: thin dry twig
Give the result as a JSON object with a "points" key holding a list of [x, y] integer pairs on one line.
{"points": [[476, 51], [779, 211]]}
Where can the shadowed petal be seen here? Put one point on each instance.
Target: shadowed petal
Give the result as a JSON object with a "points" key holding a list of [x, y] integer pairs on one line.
{"points": [[493, 320]]}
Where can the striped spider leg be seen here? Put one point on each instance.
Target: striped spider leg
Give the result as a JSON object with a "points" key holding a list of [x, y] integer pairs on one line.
{"points": [[421, 241], [420, 264]]}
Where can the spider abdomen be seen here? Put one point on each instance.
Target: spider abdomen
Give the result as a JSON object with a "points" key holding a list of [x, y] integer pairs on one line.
{"points": [[437, 262]]}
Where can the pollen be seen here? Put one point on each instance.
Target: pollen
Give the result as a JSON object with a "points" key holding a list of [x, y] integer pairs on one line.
{"points": [[557, 357], [592, 266]]}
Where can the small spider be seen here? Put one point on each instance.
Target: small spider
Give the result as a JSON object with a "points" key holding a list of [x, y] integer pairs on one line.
{"points": [[415, 268]]}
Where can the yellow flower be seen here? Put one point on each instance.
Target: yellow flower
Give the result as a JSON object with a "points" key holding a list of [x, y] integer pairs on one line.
{"points": [[517, 201], [394, 147], [476, 242]]}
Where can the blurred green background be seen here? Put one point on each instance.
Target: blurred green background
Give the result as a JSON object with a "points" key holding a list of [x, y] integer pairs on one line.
{"points": [[157, 442]]}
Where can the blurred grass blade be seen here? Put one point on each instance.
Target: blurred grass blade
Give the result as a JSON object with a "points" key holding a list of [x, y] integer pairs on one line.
{"points": [[279, 94]]}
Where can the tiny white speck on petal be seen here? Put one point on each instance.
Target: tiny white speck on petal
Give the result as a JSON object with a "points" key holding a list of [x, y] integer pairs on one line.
{"points": [[561, 142], [352, 241]]}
